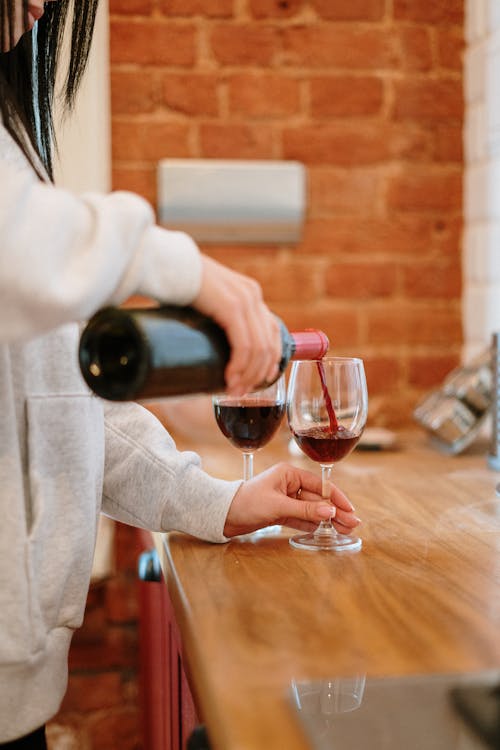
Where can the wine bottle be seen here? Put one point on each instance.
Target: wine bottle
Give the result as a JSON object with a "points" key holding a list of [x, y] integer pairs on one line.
{"points": [[146, 353]]}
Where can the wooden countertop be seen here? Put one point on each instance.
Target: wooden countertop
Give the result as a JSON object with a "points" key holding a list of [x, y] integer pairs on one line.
{"points": [[423, 595]]}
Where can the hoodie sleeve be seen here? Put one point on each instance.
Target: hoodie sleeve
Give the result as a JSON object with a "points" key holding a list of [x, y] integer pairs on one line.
{"points": [[149, 483], [63, 256]]}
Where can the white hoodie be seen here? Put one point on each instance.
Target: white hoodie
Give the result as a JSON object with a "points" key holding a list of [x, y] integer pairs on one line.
{"points": [[65, 456]]}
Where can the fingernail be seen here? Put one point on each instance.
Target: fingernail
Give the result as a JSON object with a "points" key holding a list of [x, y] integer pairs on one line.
{"points": [[327, 511]]}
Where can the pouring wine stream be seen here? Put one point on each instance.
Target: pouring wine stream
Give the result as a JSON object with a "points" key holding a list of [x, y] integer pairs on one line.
{"points": [[334, 428]]}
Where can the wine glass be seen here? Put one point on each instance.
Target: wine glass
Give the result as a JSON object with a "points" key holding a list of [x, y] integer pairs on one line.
{"points": [[327, 406], [250, 421], [335, 695], [321, 702]]}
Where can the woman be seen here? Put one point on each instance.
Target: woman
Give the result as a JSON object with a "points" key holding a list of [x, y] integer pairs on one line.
{"points": [[64, 455]]}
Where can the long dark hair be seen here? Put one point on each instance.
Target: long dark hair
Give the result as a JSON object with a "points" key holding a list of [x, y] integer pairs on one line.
{"points": [[28, 72]]}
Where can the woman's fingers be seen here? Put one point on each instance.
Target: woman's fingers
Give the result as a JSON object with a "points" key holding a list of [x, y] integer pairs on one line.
{"points": [[314, 511], [311, 488], [306, 488], [235, 302], [290, 496], [255, 362]]}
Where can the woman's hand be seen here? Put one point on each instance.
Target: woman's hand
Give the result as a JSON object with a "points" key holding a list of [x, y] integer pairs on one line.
{"points": [[289, 496], [235, 302]]}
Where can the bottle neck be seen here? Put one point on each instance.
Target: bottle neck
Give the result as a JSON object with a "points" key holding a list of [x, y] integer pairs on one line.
{"points": [[309, 344]]}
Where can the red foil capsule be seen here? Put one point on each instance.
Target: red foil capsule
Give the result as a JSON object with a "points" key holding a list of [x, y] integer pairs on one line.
{"points": [[309, 344]]}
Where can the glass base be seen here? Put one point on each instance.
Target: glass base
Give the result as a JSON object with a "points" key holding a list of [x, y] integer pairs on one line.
{"points": [[320, 541]]}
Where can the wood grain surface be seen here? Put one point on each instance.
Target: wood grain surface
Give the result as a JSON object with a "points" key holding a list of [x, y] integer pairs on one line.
{"points": [[423, 594]]}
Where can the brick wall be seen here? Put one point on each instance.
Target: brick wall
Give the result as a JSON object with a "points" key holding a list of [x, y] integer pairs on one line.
{"points": [[368, 94]]}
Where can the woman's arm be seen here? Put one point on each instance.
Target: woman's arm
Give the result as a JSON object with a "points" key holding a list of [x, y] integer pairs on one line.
{"points": [[149, 483], [64, 256]]}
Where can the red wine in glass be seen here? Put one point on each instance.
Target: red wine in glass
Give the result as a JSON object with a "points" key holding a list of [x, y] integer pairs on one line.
{"points": [[324, 446], [249, 426]]}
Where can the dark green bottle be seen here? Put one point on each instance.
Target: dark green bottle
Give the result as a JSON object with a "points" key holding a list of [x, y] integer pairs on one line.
{"points": [[148, 353]]}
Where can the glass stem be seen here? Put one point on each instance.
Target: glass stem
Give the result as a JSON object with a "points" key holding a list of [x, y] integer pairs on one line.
{"points": [[325, 527], [247, 466], [326, 484]]}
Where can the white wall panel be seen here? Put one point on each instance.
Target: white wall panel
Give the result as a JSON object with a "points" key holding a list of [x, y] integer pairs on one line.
{"points": [[84, 138], [481, 240]]}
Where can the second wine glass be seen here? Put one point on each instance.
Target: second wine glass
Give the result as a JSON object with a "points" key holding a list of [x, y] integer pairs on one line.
{"points": [[327, 406], [250, 421]]}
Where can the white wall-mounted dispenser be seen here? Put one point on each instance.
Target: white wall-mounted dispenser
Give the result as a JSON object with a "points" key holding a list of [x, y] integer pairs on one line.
{"points": [[233, 201]]}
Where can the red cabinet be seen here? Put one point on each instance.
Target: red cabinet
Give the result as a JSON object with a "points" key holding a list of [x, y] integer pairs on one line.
{"points": [[168, 710]]}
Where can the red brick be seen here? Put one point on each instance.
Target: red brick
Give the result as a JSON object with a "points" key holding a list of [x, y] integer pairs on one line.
{"points": [[440, 99], [286, 279], [263, 95], [437, 11], [448, 143], [119, 729], [236, 141], [414, 324], [431, 280], [346, 143], [391, 410], [340, 47], [450, 47], [129, 544], [132, 92], [429, 190], [349, 10], [122, 599], [191, 93], [140, 180], [151, 42], [93, 628], [399, 235], [131, 7], [447, 236], [413, 142], [361, 280], [208, 8], [150, 140], [346, 95], [96, 594], [89, 692], [340, 191], [428, 371], [276, 8], [416, 48], [117, 650], [383, 374], [244, 44]]}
